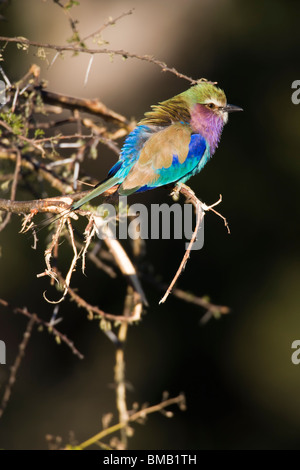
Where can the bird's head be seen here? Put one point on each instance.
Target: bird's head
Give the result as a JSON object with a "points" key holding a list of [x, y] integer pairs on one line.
{"points": [[209, 110], [209, 101], [203, 106]]}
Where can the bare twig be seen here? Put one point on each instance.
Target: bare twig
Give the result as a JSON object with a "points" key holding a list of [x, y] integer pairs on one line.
{"points": [[23, 138], [73, 262], [51, 329], [120, 366], [211, 208], [95, 259], [179, 400], [110, 22], [13, 188], [200, 209], [89, 232], [199, 217], [94, 310], [130, 306], [73, 23], [14, 368], [57, 138], [204, 302], [33, 165], [48, 254]]}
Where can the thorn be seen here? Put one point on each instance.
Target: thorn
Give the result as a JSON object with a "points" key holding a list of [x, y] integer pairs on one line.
{"points": [[88, 70]]}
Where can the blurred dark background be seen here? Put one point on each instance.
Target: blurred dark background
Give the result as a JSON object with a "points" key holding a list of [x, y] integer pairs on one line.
{"points": [[242, 390]]}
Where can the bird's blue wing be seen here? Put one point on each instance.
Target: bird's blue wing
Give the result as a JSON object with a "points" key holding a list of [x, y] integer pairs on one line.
{"points": [[172, 154], [152, 157], [131, 150]]}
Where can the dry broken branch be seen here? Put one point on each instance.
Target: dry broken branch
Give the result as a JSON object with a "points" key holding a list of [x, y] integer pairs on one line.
{"points": [[200, 209]]}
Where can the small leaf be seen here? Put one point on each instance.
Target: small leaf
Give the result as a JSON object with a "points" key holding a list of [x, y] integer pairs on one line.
{"points": [[57, 339], [5, 185], [38, 133], [71, 4], [41, 53]]}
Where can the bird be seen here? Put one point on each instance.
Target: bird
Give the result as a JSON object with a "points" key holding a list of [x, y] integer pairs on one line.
{"points": [[172, 143]]}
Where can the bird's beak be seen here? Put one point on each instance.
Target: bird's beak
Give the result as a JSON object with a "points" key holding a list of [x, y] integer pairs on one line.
{"points": [[230, 108]]}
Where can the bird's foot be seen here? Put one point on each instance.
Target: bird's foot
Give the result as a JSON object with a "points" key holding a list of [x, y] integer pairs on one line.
{"points": [[176, 191]]}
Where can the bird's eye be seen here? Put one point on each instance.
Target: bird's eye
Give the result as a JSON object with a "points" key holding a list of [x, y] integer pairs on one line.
{"points": [[210, 105]]}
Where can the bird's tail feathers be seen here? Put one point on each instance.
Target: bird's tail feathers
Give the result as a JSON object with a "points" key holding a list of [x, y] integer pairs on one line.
{"points": [[97, 191]]}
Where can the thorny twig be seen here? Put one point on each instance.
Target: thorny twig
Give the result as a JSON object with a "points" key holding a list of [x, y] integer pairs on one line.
{"points": [[33, 318], [104, 50], [51, 329], [211, 309]]}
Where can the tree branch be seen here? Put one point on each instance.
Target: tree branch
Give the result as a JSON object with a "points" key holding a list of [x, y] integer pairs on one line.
{"points": [[55, 205], [13, 188], [112, 52], [92, 309], [50, 327], [15, 367], [93, 106], [179, 400], [200, 209]]}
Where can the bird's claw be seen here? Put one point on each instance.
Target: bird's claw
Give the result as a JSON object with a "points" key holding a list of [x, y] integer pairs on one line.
{"points": [[176, 191]]}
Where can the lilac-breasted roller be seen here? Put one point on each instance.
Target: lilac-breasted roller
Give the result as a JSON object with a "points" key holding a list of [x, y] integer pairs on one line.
{"points": [[172, 143]]}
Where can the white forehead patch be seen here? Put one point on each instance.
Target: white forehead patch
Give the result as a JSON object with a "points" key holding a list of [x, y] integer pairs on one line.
{"points": [[214, 101], [218, 104]]}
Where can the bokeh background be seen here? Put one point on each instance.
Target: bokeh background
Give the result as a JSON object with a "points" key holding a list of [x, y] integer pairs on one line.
{"points": [[242, 389]]}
